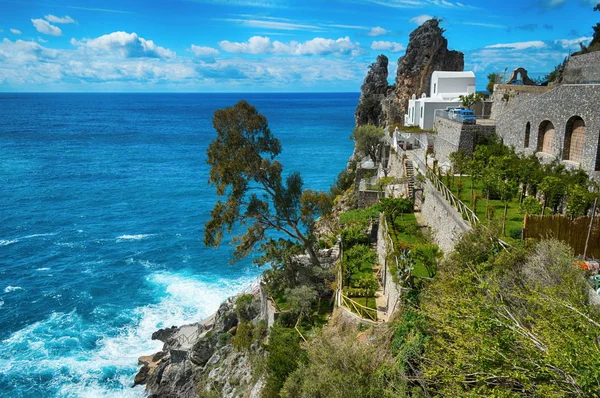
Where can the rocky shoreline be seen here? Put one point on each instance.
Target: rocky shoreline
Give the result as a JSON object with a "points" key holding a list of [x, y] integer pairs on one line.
{"points": [[199, 359]]}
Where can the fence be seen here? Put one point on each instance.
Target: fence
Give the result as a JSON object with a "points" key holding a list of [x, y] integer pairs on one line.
{"points": [[573, 232]]}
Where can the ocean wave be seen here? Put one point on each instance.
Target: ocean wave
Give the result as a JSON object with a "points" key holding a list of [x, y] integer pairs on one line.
{"points": [[42, 269], [133, 237], [6, 242], [9, 289], [83, 359]]}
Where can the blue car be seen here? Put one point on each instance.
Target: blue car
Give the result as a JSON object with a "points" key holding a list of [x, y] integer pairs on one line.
{"points": [[466, 116]]}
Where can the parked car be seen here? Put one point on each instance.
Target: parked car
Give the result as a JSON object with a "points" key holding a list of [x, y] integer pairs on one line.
{"points": [[465, 116]]}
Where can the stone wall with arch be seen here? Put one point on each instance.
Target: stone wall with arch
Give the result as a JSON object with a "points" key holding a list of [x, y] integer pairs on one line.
{"points": [[574, 112]]}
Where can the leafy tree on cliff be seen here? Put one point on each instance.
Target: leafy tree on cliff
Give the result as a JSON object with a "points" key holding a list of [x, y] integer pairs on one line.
{"points": [[245, 170], [470, 100], [368, 140], [596, 37]]}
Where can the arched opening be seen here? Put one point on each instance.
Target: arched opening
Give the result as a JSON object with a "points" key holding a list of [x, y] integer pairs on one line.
{"points": [[574, 140], [546, 137], [527, 133]]}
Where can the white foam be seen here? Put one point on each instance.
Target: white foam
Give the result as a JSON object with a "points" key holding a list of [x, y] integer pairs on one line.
{"points": [[43, 269], [133, 237], [6, 242], [76, 372], [9, 289], [1, 303]]}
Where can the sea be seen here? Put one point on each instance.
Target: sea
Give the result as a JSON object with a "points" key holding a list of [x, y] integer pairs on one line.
{"points": [[103, 201]]}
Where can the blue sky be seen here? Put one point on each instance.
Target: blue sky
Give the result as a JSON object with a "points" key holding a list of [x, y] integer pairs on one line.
{"points": [[266, 45]]}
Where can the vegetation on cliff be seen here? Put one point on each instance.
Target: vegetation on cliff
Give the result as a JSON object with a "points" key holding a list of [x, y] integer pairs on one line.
{"points": [[245, 170]]}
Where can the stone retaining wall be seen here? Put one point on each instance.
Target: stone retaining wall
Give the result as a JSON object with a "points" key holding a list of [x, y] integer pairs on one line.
{"points": [[556, 106], [452, 136], [444, 220]]}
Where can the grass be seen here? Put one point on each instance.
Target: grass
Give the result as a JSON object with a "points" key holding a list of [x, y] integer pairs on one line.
{"points": [[514, 216], [368, 302], [407, 230]]}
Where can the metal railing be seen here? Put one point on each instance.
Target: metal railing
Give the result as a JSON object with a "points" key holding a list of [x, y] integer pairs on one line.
{"points": [[464, 210]]}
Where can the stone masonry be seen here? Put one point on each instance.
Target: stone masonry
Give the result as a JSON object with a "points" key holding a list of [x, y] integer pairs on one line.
{"points": [[557, 106], [452, 136], [523, 114]]}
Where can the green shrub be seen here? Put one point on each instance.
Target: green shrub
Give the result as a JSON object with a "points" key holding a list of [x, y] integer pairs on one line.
{"points": [[243, 336], [354, 235], [285, 354], [360, 216], [301, 299], [516, 233], [242, 306], [224, 338]]}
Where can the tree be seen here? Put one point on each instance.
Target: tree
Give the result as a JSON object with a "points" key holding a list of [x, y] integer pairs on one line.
{"points": [[493, 78], [471, 99], [578, 201], [551, 187], [244, 169], [368, 140]]}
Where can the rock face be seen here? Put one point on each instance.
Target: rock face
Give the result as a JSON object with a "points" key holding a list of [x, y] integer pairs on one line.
{"points": [[200, 360], [427, 52], [372, 93]]}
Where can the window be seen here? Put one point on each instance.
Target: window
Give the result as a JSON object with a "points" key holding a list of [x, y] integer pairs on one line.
{"points": [[527, 133]]}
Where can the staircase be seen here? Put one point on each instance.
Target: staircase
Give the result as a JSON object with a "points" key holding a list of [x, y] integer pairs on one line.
{"points": [[409, 174]]}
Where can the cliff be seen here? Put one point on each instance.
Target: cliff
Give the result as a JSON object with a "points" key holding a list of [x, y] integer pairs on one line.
{"points": [[211, 358], [372, 92], [427, 51]]}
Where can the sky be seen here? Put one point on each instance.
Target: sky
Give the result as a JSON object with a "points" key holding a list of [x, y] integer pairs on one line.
{"points": [[267, 45]]}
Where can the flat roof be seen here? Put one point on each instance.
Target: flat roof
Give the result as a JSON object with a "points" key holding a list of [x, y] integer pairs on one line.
{"points": [[440, 73]]}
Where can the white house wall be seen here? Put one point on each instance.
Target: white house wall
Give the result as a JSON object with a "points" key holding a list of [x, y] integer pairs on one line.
{"points": [[452, 87], [429, 114]]}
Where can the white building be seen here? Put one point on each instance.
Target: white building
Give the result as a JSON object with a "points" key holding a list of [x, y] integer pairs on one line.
{"points": [[446, 87]]}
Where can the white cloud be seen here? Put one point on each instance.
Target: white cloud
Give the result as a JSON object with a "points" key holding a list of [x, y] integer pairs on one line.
{"points": [[316, 46], [42, 40], [523, 45], [419, 3], [46, 28], [128, 45], [485, 25], [572, 43], [29, 65], [15, 31], [200, 51], [271, 24], [387, 46], [377, 31], [420, 19], [55, 19]]}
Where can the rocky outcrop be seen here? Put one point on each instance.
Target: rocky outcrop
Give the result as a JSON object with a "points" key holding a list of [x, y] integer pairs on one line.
{"points": [[200, 360], [372, 92], [427, 52]]}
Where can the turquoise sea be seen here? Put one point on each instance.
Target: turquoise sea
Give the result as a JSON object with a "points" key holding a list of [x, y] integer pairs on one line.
{"points": [[103, 198]]}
